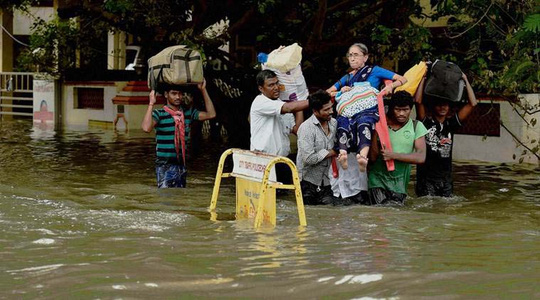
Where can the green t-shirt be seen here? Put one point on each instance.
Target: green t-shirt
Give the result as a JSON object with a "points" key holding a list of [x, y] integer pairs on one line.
{"points": [[402, 142]]}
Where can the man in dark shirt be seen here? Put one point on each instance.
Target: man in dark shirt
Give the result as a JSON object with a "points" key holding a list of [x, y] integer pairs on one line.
{"points": [[434, 177]]}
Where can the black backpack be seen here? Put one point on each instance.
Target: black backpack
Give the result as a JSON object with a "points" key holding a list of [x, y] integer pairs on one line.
{"points": [[444, 81]]}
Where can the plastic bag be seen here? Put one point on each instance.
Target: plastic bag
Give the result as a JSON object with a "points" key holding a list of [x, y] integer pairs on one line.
{"points": [[414, 75], [285, 59]]}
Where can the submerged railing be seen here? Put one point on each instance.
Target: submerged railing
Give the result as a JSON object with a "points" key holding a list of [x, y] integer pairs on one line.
{"points": [[16, 93]]}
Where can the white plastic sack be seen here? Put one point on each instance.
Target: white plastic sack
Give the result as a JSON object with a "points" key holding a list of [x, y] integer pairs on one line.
{"points": [[285, 59], [292, 84]]}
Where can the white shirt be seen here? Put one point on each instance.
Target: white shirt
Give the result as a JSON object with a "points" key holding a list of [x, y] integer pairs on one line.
{"points": [[268, 133], [350, 182]]}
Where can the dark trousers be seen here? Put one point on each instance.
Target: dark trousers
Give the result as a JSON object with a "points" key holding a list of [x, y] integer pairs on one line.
{"points": [[316, 195], [360, 198], [171, 176], [355, 133], [434, 187], [383, 196]]}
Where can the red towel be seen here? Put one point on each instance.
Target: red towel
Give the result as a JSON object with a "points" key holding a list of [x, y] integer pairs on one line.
{"points": [[179, 131]]}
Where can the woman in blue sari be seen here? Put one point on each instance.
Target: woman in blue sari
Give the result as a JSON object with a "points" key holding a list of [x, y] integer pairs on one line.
{"points": [[352, 182], [358, 55]]}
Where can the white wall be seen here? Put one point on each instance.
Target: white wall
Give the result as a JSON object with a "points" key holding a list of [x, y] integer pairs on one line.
{"points": [[503, 148], [81, 117], [22, 22]]}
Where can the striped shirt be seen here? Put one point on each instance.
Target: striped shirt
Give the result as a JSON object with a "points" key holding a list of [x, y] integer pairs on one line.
{"points": [[165, 150], [313, 146]]}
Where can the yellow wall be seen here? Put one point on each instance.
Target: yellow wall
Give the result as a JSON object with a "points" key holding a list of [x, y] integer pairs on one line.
{"points": [[426, 9], [6, 43]]}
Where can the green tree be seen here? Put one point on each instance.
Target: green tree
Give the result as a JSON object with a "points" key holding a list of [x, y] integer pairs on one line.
{"points": [[324, 28], [498, 41]]}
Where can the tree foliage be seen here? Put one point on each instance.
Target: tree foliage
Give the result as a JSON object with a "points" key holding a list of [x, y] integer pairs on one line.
{"points": [[494, 41], [498, 40], [324, 28]]}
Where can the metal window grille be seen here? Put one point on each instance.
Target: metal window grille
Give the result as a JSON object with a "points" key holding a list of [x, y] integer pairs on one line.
{"points": [[484, 120], [90, 98]]}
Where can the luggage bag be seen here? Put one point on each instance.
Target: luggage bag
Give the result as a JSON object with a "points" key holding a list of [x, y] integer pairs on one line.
{"points": [[444, 81], [175, 65]]}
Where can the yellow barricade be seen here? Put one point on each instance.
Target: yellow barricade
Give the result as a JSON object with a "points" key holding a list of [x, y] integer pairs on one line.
{"points": [[256, 186]]}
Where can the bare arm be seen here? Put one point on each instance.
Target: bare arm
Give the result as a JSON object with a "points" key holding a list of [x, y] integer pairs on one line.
{"points": [[149, 123], [466, 110], [418, 100], [210, 112], [294, 106], [332, 91], [417, 157], [298, 118], [397, 80], [374, 149]]}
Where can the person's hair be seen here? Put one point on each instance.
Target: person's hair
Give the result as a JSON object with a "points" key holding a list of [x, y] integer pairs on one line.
{"points": [[434, 101], [165, 87], [400, 99], [263, 75], [318, 99], [362, 48]]}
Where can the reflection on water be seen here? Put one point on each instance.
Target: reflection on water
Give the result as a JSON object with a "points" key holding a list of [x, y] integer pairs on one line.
{"points": [[80, 217]]}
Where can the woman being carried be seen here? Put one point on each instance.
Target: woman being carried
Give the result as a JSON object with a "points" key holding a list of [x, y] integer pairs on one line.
{"points": [[357, 104]]}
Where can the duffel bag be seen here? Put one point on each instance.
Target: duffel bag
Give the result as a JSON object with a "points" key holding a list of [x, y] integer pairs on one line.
{"points": [[175, 65], [444, 81]]}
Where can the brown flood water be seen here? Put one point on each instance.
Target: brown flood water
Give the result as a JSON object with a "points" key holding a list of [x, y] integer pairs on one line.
{"points": [[80, 217]]}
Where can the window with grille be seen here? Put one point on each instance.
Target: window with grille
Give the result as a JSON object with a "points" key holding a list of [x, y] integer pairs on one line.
{"points": [[484, 120], [89, 98]]}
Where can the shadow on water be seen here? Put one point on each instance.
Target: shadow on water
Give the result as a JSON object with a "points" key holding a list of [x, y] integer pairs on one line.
{"points": [[80, 216]]}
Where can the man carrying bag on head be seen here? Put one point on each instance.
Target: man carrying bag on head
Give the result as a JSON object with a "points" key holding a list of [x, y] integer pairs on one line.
{"points": [[173, 121]]}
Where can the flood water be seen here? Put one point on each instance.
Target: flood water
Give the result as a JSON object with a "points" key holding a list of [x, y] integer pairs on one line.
{"points": [[80, 217]]}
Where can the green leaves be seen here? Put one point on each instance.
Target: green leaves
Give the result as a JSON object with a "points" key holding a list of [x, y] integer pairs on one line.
{"points": [[118, 6], [532, 23]]}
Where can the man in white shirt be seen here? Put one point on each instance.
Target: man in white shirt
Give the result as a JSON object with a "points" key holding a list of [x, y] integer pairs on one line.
{"points": [[269, 133]]}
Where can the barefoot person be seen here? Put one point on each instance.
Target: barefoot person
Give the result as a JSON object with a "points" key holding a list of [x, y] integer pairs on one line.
{"points": [[359, 117], [357, 114], [172, 124]]}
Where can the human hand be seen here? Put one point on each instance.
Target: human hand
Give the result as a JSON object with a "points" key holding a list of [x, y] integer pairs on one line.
{"points": [[152, 98], [387, 155], [389, 89], [464, 77], [345, 89], [202, 85]]}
